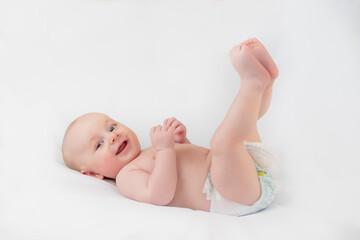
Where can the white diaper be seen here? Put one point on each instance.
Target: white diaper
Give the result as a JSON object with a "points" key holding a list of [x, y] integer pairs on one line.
{"points": [[267, 167]]}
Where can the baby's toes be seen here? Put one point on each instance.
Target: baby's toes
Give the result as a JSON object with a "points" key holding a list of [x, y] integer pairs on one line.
{"points": [[253, 40], [235, 48], [246, 42], [232, 51]]}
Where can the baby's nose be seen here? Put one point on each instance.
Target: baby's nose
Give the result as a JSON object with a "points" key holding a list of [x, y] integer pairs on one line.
{"points": [[114, 137]]}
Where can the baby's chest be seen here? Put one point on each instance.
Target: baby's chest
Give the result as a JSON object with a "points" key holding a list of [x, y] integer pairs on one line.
{"points": [[188, 158], [146, 161]]}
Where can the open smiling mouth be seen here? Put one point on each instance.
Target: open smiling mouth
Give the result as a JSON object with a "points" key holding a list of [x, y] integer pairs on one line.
{"points": [[121, 147]]}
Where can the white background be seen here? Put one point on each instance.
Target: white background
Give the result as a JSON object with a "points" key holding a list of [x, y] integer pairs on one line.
{"points": [[143, 61]]}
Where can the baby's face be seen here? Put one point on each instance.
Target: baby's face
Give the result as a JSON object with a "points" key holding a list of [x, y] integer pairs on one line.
{"points": [[102, 145]]}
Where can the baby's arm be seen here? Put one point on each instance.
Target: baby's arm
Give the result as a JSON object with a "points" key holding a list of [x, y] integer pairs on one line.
{"points": [[157, 187], [180, 130]]}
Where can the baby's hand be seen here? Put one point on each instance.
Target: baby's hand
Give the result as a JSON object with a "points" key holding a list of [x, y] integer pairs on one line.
{"points": [[180, 130], [162, 137]]}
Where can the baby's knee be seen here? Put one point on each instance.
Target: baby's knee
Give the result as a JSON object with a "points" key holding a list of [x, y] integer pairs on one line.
{"points": [[221, 145]]}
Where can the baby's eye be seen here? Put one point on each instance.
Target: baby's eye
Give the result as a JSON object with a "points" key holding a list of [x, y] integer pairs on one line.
{"points": [[112, 128], [99, 144]]}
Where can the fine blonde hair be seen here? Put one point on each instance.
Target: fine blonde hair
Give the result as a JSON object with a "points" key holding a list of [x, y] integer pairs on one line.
{"points": [[68, 159]]}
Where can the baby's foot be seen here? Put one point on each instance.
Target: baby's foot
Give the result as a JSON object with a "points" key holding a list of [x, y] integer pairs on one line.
{"points": [[248, 66], [263, 56]]}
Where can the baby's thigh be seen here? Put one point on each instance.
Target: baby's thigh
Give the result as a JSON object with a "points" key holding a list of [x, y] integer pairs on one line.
{"points": [[234, 176]]}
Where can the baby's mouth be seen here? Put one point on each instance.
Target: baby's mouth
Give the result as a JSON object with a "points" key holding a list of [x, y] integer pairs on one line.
{"points": [[121, 147]]}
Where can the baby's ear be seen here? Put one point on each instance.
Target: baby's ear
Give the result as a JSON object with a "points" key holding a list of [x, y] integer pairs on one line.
{"points": [[92, 174]]}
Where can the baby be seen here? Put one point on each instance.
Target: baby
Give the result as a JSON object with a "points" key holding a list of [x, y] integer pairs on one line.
{"points": [[236, 176]]}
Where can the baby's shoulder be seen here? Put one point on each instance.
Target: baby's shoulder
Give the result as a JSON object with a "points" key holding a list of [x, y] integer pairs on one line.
{"points": [[144, 161], [145, 156]]}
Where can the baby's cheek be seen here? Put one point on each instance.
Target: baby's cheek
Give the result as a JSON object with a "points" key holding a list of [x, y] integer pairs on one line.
{"points": [[103, 162], [110, 164]]}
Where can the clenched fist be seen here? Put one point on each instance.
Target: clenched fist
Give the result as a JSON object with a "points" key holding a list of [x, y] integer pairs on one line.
{"points": [[180, 130], [162, 137]]}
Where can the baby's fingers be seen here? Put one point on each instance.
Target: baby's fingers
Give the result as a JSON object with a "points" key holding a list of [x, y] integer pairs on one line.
{"points": [[152, 130], [155, 129], [171, 129], [169, 121], [177, 124], [168, 128], [174, 122], [179, 129], [165, 128], [158, 128]]}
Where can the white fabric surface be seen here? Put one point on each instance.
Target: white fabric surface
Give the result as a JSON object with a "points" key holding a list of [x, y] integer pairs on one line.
{"points": [[143, 61]]}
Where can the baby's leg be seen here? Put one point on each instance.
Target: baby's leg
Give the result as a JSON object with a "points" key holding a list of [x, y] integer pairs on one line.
{"points": [[233, 172], [265, 59]]}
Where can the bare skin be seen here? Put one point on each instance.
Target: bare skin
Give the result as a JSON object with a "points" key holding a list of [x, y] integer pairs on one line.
{"points": [[232, 169], [233, 172], [173, 171]]}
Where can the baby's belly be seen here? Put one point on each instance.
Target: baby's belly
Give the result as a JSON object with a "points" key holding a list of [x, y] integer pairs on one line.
{"points": [[193, 164]]}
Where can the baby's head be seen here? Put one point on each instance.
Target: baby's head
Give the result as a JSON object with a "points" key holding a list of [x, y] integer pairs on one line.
{"points": [[98, 146]]}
